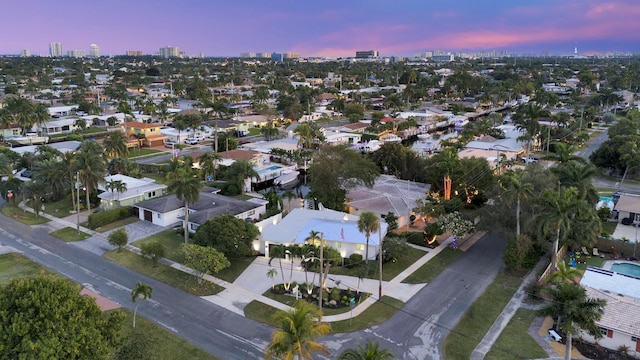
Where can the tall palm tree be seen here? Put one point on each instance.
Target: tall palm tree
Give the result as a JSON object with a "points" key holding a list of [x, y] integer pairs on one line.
{"points": [[55, 177], [297, 333], [90, 165], [179, 125], [629, 156], [115, 145], [565, 274], [269, 131], [289, 195], [565, 153], [558, 209], [242, 170], [209, 163], [574, 174], [370, 351], [516, 189], [187, 187], [142, 291], [574, 310], [368, 223], [527, 119], [116, 185], [218, 109]]}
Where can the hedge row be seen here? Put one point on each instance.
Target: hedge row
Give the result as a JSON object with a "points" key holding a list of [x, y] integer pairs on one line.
{"points": [[106, 217]]}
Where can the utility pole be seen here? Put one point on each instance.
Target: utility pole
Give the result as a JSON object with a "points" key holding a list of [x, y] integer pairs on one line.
{"points": [[321, 274], [78, 201], [380, 258]]}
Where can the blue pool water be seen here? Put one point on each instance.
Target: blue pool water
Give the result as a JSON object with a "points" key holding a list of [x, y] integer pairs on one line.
{"points": [[627, 269], [269, 169], [605, 199]]}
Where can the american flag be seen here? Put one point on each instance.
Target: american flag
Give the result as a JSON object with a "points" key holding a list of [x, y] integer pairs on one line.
{"points": [[342, 234]]}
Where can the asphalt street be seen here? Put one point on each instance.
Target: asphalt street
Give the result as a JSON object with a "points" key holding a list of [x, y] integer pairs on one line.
{"points": [[206, 325], [419, 329]]}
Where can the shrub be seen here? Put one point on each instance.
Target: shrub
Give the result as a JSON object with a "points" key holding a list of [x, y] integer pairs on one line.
{"points": [[119, 238], [355, 260], [106, 217], [335, 294], [152, 250], [534, 290]]}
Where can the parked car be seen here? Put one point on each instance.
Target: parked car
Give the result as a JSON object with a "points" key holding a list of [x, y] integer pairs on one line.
{"points": [[191, 141], [530, 159], [170, 144], [26, 174]]}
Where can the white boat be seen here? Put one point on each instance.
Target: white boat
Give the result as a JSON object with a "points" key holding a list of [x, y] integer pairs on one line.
{"points": [[288, 178], [30, 140], [390, 138], [370, 146], [425, 136]]}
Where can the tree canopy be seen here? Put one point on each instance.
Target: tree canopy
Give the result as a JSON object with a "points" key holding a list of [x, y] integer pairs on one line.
{"points": [[227, 234], [45, 317]]}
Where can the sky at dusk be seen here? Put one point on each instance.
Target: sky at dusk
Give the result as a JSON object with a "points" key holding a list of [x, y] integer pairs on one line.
{"points": [[322, 28]]}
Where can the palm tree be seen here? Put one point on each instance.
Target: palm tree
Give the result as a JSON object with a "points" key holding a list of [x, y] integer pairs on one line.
{"points": [[297, 333], [516, 189], [242, 170], [368, 223], [269, 131], [116, 185], [143, 292], [565, 153], [580, 176], [288, 194], [218, 109], [179, 125], [565, 274], [629, 156], [209, 163], [35, 189], [271, 274], [90, 165], [187, 187], [527, 120], [558, 211], [370, 351], [115, 145], [574, 310], [55, 177]]}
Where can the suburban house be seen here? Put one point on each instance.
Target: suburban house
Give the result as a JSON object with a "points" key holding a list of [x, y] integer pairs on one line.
{"points": [[63, 125], [168, 210], [341, 138], [388, 194], [627, 207], [339, 230], [151, 132], [136, 190], [254, 158], [619, 324]]}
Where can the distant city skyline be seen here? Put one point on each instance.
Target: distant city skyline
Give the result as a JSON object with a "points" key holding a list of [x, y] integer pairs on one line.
{"points": [[329, 28]]}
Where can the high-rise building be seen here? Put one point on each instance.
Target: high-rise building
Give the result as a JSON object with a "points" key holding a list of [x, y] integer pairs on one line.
{"points": [[367, 54], [133, 53], [169, 52], [76, 53], [55, 49], [247, 55], [25, 53], [95, 51], [291, 55], [263, 55], [277, 57]]}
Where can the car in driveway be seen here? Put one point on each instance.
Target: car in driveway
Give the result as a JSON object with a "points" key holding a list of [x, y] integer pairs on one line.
{"points": [[191, 141], [530, 159], [170, 144], [26, 174]]}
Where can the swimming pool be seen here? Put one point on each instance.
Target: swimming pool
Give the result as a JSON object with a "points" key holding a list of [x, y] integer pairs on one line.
{"points": [[269, 169], [605, 198], [627, 269]]}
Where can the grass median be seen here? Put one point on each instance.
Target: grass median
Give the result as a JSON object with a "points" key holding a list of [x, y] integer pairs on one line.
{"points": [[69, 234], [515, 340], [479, 318], [375, 314], [166, 274]]}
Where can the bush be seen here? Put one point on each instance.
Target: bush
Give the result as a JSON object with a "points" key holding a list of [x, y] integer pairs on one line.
{"points": [[106, 217], [534, 291], [335, 294], [355, 260], [152, 250]]}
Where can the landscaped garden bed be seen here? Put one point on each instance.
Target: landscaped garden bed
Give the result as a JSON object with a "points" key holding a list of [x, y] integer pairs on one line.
{"points": [[332, 298]]}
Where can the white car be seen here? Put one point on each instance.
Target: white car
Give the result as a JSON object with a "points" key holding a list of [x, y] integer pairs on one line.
{"points": [[170, 144], [191, 141]]}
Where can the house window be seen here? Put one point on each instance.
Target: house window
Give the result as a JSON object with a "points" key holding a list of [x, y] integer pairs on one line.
{"points": [[634, 339], [159, 216], [252, 212], [193, 227], [360, 247], [603, 331]]}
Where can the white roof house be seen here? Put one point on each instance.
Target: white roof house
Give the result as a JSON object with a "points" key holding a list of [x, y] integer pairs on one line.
{"points": [[137, 190], [339, 230]]}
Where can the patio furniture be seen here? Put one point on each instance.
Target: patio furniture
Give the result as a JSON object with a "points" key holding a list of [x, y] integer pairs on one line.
{"points": [[584, 251], [595, 252]]}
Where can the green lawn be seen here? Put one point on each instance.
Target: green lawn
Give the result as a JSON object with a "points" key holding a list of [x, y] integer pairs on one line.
{"points": [[591, 261], [475, 323], [24, 217], [114, 225], [69, 234], [376, 314], [172, 243], [160, 342], [514, 341], [433, 267], [15, 265], [134, 153], [389, 270], [60, 208], [164, 273], [609, 227]]}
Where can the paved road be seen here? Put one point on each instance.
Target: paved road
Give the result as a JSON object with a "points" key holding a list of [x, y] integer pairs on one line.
{"points": [[206, 325], [418, 331]]}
